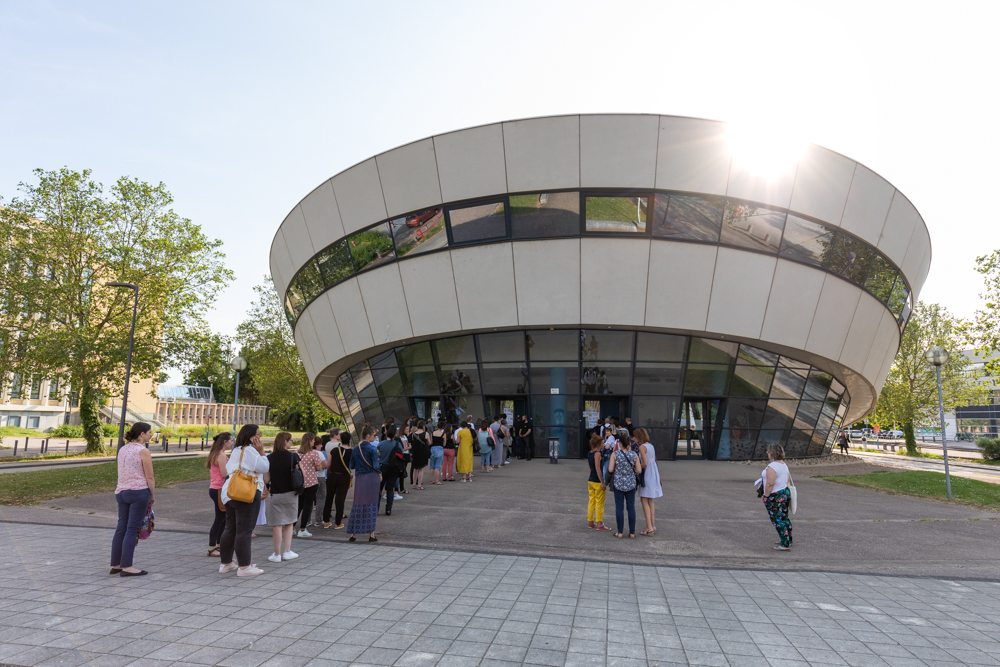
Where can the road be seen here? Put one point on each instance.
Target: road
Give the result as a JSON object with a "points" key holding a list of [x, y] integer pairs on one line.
{"points": [[979, 471]]}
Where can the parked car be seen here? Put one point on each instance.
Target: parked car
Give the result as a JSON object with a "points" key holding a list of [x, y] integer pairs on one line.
{"points": [[894, 434], [856, 433]]}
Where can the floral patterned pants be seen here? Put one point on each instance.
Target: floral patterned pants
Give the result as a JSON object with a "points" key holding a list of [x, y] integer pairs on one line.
{"points": [[777, 508]]}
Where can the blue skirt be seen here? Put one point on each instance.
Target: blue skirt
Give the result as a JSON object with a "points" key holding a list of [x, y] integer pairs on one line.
{"points": [[364, 509]]}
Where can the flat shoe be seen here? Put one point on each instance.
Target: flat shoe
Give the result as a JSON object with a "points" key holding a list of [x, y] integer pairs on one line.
{"points": [[352, 539], [140, 573], [115, 570], [373, 539], [776, 548]]}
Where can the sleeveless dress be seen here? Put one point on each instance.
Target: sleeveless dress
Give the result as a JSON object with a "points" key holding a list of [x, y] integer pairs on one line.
{"points": [[652, 488]]}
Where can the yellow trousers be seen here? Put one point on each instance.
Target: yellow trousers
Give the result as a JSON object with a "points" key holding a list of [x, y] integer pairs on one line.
{"points": [[595, 508]]}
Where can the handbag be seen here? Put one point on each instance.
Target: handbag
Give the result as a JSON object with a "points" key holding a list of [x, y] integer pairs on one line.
{"points": [[793, 503], [146, 527], [475, 442], [298, 479], [242, 486], [350, 472], [397, 460]]}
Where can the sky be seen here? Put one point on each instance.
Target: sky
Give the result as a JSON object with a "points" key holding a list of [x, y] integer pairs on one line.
{"points": [[243, 108]]}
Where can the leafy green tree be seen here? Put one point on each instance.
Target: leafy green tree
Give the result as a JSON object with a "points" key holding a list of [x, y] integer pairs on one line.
{"points": [[63, 240], [210, 366], [984, 329], [910, 396]]}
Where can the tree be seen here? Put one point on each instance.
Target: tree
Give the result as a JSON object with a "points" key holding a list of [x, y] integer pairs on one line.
{"points": [[210, 366], [65, 239], [279, 379], [984, 329], [910, 395]]}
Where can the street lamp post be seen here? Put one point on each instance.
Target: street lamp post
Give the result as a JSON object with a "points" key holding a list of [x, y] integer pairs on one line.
{"points": [[237, 364], [128, 361], [938, 356]]}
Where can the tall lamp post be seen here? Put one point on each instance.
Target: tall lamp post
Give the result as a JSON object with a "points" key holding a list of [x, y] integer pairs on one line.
{"points": [[938, 356], [237, 364], [128, 361]]}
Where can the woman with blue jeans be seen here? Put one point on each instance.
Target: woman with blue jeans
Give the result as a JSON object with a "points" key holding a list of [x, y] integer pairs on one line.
{"points": [[485, 449], [134, 495], [624, 466]]}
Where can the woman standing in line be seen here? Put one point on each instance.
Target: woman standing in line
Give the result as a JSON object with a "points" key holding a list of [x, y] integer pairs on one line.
{"points": [[596, 487], [282, 503], [248, 457], [651, 480], [777, 496], [364, 510], [311, 463], [463, 459], [437, 453], [486, 445], [134, 495], [338, 480], [450, 447], [216, 463], [403, 433], [320, 446], [623, 467], [421, 451]]}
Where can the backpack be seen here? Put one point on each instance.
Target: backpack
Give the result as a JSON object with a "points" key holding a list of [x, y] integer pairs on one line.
{"points": [[397, 461], [605, 460]]}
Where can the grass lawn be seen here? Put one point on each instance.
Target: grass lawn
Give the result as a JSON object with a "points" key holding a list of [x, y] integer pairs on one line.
{"points": [[28, 488], [925, 484]]}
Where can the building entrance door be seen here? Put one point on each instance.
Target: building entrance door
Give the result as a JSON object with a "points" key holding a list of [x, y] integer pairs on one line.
{"points": [[428, 409], [506, 405], [699, 428], [594, 412]]}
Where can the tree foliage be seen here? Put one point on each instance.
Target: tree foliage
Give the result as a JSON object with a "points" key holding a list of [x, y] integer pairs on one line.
{"points": [[984, 329], [210, 366], [62, 241], [909, 396]]}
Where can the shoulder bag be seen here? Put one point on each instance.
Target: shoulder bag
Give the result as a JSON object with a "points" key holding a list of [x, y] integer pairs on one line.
{"points": [[242, 486], [475, 442], [397, 460], [298, 479], [793, 503], [340, 452]]}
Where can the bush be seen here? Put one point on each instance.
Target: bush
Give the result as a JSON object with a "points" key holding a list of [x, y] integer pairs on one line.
{"points": [[70, 431], [990, 447]]}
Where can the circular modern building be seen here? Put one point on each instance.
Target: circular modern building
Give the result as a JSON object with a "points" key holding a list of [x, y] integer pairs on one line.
{"points": [[571, 268]]}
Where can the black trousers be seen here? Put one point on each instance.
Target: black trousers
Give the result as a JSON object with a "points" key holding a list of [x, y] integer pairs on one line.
{"points": [[215, 533], [337, 485], [389, 479], [529, 448], [307, 499], [240, 520]]}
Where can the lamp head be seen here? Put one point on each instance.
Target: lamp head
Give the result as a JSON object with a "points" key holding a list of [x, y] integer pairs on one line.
{"points": [[238, 364], [937, 356]]}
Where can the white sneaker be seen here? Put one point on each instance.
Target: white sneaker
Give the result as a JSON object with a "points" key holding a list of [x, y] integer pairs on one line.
{"points": [[227, 568], [289, 555], [304, 533], [251, 571], [396, 496], [274, 558]]}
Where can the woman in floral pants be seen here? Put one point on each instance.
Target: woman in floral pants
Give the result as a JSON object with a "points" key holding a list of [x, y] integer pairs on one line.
{"points": [[777, 497]]}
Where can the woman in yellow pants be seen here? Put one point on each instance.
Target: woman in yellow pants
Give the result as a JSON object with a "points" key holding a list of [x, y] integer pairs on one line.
{"points": [[595, 486]]}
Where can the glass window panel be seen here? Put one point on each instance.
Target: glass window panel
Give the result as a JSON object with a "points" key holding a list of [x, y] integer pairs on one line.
{"points": [[766, 439], [372, 409], [655, 411], [711, 351], [457, 350], [688, 218], [757, 357], [546, 376], [707, 379], [598, 345], [459, 379], [372, 247], [475, 223], [341, 401], [456, 407], [788, 362], [335, 263], [881, 278], [904, 317], [384, 360], [818, 385], [753, 381], [363, 380], [897, 301], [806, 241], [309, 282], [824, 423], [664, 441], [659, 347], [817, 445], [837, 388], [419, 232], [736, 444], [545, 215], [560, 345], [788, 383], [557, 417], [660, 379], [396, 407], [808, 413], [388, 381], [850, 258], [780, 414], [419, 381], [293, 307], [508, 378], [502, 346], [418, 354], [746, 413], [754, 227], [617, 215], [798, 444], [608, 378], [347, 384]]}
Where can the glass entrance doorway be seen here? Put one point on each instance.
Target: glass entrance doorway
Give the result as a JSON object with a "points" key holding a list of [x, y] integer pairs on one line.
{"points": [[594, 413], [428, 409], [699, 428], [510, 407]]}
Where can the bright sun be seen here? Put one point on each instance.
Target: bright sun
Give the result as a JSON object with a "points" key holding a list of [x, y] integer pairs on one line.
{"points": [[770, 146]]}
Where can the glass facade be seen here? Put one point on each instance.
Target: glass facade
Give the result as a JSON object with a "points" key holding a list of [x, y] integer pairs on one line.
{"points": [[672, 216], [697, 397]]}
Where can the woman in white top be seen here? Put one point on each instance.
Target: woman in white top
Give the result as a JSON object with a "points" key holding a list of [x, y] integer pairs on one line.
{"points": [[777, 496], [650, 488], [248, 456]]}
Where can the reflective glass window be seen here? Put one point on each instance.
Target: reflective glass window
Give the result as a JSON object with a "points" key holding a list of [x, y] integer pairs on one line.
{"points": [[808, 414], [507, 346], [788, 383], [372, 409], [766, 438], [559, 345], [545, 215], [707, 379], [617, 215], [363, 380], [294, 301], [659, 347], [396, 407], [818, 385], [736, 444], [824, 423], [419, 232], [388, 381], [505, 378], [688, 218], [418, 354], [655, 411], [419, 380], [372, 247], [817, 445], [664, 441], [603, 345], [546, 376], [881, 278], [850, 258], [459, 379], [478, 222], [335, 263], [757, 357], [745, 413], [779, 414], [907, 309], [658, 378], [384, 360], [750, 226], [712, 351], [557, 417], [752, 381], [837, 388], [798, 443], [457, 350], [456, 407], [607, 378], [309, 282], [806, 241], [897, 301]]}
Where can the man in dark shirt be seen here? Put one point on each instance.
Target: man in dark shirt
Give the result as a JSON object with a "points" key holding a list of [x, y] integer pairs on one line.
{"points": [[338, 479], [390, 474]]}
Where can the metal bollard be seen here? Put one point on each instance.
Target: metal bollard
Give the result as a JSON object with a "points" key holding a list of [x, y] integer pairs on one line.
{"points": [[186, 441], [46, 445], [67, 447], [166, 445], [15, 447], [26, 445]]}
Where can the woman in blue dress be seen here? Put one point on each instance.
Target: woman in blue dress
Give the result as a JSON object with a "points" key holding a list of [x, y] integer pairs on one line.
{"points": [[364, 510]]}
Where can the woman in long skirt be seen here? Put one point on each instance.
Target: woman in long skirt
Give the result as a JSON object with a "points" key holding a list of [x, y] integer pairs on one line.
{"points": [[463, 461], [364, 510]]}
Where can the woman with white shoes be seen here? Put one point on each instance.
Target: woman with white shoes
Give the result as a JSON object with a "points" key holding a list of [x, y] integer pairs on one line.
{"points": [[247, 456], [282, 503]]}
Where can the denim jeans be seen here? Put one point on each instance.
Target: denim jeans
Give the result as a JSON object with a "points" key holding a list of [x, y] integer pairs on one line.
{"points": [[625, 499], [132, 507], [240, 521], [485, 458]]}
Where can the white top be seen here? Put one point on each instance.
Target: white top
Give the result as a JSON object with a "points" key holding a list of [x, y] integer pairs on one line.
{"points": [[780, 478], [253, 464]]}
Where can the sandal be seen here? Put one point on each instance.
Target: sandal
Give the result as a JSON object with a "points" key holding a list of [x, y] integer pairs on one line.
{"points": [[648, 532], [214, 553], [631, 536], [778, 547], [352, 539], [619, 535]]}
